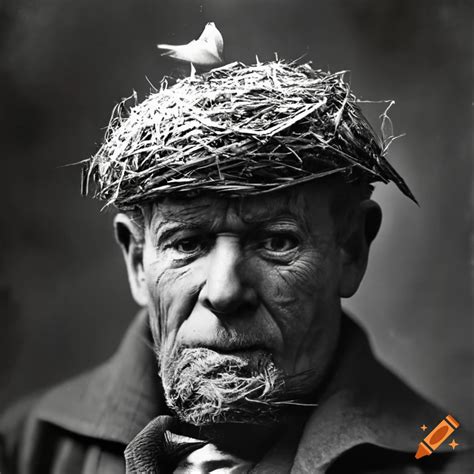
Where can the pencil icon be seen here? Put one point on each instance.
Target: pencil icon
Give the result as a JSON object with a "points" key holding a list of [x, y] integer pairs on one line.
{"points": [[437, 437]]}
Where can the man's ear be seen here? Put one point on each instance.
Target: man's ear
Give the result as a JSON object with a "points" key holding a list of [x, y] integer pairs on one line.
{"points": [[355, 247], [130, 238]]}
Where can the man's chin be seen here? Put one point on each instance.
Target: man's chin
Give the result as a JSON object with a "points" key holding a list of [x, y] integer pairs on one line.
{"points": [[205, 387]]}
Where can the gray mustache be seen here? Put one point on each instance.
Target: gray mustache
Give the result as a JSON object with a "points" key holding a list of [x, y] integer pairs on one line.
{"points": [[203, 386]]}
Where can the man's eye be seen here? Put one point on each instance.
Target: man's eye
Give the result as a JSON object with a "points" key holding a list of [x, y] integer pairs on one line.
{"points": [[190, 245], [280, 243]]}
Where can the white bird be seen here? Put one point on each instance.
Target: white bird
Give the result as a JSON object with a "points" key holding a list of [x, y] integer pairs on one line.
{"points": [[206, 51]]}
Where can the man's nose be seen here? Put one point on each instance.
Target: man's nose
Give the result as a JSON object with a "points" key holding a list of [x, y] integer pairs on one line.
{"points": [[227, 289]]}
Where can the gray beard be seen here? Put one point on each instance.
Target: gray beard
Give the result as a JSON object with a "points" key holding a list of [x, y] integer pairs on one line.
{"points": [[204, 387]]}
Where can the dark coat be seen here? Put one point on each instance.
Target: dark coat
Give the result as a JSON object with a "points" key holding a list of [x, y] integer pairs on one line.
{"points": [[367, 421]]}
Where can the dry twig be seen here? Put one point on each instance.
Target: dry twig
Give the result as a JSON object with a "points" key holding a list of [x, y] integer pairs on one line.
{"points": [[238, 130]]}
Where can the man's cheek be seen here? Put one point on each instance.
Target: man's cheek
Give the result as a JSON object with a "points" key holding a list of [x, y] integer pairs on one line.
{"points": [[174, 292], [295, 292], [287, 284]]}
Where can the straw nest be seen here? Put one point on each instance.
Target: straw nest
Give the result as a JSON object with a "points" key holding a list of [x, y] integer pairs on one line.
{"points": [[237, 130]]}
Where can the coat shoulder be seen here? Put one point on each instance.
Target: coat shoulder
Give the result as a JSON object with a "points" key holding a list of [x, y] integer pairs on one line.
{"points": [[30, 444], [13, 423]]}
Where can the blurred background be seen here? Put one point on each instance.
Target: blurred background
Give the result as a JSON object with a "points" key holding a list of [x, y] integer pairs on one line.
{"points": [[64, 299]]}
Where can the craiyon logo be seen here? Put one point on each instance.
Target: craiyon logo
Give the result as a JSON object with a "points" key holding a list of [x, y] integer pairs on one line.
{"points": [[437, 437]]}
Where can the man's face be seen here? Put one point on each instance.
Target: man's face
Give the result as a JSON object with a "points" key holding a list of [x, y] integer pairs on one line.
{"points": [[242, 277], [235, 275]]}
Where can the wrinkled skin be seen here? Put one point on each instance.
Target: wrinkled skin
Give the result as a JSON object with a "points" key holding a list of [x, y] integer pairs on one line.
{"points": [[234, 275]]}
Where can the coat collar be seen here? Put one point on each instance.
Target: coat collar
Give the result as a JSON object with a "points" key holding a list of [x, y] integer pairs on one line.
{"points": [[362, 403], [117, 399]]}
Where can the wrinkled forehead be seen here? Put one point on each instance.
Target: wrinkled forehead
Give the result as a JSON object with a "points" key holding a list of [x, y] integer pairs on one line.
{"points": [[300, 203]]}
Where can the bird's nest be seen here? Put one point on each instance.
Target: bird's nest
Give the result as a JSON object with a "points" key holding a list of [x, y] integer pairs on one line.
{"points": [[237, 130]]}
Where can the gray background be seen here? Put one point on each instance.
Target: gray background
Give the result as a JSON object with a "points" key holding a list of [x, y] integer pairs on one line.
{"points": [[64, 301]]}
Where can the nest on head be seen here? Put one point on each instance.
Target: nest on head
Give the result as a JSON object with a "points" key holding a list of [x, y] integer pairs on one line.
{"points": [[237, 130]]}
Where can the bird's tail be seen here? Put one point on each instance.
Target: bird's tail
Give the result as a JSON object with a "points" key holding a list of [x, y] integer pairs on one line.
{"points": [[169, 50], [169, 47]]}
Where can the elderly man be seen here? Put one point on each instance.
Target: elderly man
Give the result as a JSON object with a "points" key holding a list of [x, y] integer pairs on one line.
{"points": [[244, 217]]}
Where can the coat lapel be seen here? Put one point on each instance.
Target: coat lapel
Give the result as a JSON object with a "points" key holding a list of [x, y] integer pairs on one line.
{"points": [[363, 403], [116, 400]]}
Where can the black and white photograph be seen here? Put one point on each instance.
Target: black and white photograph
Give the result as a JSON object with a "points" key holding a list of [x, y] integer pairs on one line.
{"points": [[236, 237]]}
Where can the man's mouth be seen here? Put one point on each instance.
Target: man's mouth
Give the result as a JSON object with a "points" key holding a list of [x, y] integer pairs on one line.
{"points": [[242, 351], [234, 349], [222, 383]]}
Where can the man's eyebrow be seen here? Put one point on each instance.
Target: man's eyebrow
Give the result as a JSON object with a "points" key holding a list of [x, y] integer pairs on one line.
{"points": [[167, 230], [266, 218]]}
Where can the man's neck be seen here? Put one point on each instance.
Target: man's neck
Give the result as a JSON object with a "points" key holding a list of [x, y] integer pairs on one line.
{"points": [[250, 441]]}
